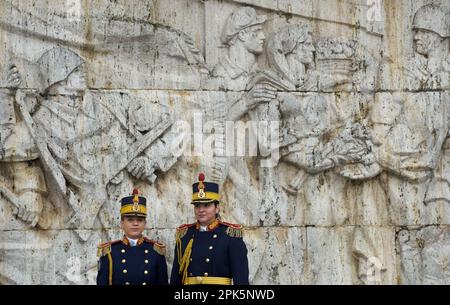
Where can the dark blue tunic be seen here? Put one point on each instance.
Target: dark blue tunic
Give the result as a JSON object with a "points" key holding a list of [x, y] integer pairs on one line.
{"points": [[138, 265], [215, 254]]}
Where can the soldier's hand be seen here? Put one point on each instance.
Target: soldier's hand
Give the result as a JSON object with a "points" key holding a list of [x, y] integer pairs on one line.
{"points": [[360, 171], [13, 78], [117, 179], [30, 208], [141, 168], [260, 93]]}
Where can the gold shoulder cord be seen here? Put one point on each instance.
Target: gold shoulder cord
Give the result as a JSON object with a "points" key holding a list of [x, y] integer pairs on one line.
{"points": [[110, 268], [184, 264]]}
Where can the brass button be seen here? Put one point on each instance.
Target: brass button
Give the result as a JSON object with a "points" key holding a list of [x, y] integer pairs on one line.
{"points": [[144, 283], [127, 283], [190, 259], [123, 250], [210, 247], [145, 272], [146, 251], [146, 261], [207, 260], [124, 261], [205, 274], [124, 271], [215, 236]]}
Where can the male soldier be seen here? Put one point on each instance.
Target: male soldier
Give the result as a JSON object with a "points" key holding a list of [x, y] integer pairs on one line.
{"points": [[414, 129], [209, 251], [432, 40], [134, 259], [244, 37]]}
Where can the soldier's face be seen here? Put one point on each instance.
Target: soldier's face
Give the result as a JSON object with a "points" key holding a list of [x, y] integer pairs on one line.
{"points": [[133, 226], [77, 80], [206, 213], [425, 41], [254, 39]]}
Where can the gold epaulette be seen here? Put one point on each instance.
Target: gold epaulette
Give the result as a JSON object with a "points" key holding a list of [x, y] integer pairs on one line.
{"points": [[233, 230], [103, 249], [160, 248], [181, 230]]}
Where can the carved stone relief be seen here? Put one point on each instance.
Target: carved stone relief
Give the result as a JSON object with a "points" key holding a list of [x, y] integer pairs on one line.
{"points": [[326, 127]]}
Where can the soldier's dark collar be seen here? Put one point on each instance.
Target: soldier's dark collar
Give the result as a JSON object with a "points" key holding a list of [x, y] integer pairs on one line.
{"points": [[211, 226]]}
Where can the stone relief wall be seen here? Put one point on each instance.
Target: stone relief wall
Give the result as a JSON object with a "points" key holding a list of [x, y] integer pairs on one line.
{"points": [[345, 104]]}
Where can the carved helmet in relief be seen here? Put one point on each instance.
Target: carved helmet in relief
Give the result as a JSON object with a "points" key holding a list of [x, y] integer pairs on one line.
{"points": [[433, 18], [239, 20], [55, 65]]}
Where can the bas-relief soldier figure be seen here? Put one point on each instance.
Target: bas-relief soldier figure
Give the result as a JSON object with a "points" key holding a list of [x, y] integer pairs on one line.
{"points": [[430, 67], [244, 38], [407, 129], [134, 259], [23, 187], [209, 251], [431, 27], [59, 100], [18, 157], [412, 131], [409, 132], [79, 139]]}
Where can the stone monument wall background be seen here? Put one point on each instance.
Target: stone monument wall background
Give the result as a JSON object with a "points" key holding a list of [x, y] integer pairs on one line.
{"points": [[97, 97]]}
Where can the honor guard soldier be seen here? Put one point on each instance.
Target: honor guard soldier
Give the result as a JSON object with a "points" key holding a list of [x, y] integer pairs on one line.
{"points": [[134, 259], [209, 251]]}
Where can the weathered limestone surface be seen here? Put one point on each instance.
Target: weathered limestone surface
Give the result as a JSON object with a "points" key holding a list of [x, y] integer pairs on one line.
{"points": [[326, 124]]}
